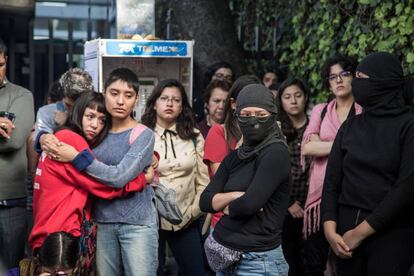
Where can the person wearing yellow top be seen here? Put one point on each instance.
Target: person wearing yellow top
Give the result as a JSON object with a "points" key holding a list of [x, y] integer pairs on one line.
{"points": [[181, 167]]}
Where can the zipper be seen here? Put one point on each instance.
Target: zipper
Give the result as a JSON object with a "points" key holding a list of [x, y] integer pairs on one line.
{"points": [[357, 217]]}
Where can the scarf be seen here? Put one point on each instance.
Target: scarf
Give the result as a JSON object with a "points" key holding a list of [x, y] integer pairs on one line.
{"points": [[327, 129]]}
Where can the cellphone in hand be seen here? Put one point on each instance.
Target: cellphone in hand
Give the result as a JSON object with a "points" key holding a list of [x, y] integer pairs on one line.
{"points": [[9, 115]]}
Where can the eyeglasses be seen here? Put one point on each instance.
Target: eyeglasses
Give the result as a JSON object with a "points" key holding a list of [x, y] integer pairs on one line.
{"points": [[341, 76], [174, 100], [223, 77], [261, 118]]}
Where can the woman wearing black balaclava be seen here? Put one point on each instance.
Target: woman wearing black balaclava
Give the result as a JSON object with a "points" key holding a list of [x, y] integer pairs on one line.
{"points": [[368, 195], [251, 187]]}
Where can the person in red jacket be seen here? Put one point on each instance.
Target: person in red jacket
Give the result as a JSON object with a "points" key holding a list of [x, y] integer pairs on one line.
{"points": [[61, 193]]}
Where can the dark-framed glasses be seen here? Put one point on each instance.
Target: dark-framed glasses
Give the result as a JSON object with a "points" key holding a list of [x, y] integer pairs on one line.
{"points": [[342, 75]]}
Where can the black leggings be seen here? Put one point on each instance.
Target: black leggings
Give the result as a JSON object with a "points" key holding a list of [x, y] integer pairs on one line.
{"points": [[315, 253], [292, 244]]}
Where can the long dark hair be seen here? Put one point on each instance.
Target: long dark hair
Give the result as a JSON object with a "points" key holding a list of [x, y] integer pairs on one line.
{"points": [[185, 121], [92, 100], [287, 127], [230, 121], [60, 250]]}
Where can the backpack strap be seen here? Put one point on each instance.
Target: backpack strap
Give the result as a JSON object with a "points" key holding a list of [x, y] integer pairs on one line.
{"points": [[323, 113], [136, 132], [351, 113]]}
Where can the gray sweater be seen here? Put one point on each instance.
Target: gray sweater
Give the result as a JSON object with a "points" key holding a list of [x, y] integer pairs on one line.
{"points": [[13, 159], [137, 208], [117, 162]]}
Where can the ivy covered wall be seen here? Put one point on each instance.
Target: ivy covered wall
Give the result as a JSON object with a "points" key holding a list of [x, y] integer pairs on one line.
{"points": [[310, 31]]}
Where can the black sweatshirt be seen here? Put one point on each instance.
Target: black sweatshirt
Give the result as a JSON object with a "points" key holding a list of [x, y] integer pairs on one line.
{"points": [[255, 220], [371, 168]]}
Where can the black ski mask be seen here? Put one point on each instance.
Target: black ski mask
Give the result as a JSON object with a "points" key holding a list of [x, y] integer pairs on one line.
{"points": [[257, 132], [384, 84]]}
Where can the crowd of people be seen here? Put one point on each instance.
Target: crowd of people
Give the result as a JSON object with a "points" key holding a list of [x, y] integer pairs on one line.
{"points": [[261, 187]]}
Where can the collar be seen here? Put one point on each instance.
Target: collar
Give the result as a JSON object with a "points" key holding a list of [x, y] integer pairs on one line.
{"points": [[160, 130]]}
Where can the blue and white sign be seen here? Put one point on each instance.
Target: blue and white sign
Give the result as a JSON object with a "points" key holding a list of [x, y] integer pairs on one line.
{"points": [[146, 48]]}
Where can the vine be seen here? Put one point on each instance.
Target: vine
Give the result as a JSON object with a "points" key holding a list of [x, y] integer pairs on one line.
{"points": [[311, 31]]}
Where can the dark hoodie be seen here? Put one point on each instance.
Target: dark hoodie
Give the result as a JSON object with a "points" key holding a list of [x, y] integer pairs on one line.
{"points": [[370, 167]]}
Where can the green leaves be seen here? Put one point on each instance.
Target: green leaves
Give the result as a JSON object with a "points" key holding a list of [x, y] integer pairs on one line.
{"points": [[312, 30], [353, 27], [410, 57]]}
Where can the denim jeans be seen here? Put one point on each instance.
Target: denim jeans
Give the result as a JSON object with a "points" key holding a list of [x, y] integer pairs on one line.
{"points": [[268, 263], [132, 249], [12, 235]]}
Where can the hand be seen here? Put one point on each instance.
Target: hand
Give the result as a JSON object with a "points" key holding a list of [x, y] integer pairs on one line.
{"points": [[50, 144], [315, 138], [61, 117], [155, 162], [6, 127], [66, 153], [352, 239], [149, 174], [339, 246], [295, 210], [235, 195]]}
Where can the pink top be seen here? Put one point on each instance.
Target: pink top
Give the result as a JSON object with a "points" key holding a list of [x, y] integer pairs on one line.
{"points": [[215, 149], [326, 130]]}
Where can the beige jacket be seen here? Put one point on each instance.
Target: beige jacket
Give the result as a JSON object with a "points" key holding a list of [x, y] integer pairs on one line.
{"points": [[181, 167]]}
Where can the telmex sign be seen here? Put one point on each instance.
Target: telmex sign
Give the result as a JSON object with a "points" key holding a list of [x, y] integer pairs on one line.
{"points": [[146, 48]]}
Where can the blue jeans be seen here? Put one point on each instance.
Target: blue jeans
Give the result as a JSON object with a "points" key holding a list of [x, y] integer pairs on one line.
{"points": [[268, 263], [13, 229], [132, 249]]}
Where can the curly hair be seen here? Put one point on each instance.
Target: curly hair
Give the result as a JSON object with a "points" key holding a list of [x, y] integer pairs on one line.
{"points": [[74, 82], [346, 62]]}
